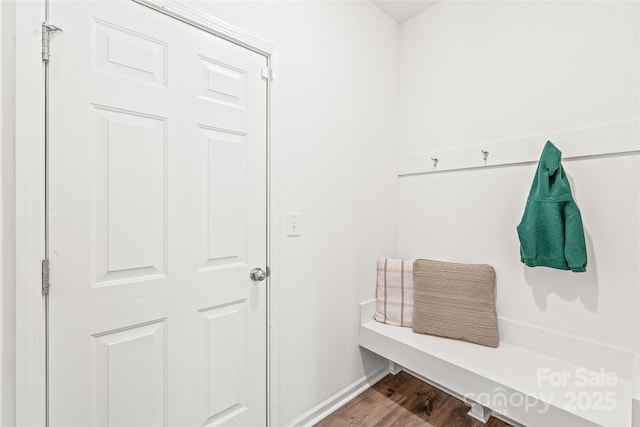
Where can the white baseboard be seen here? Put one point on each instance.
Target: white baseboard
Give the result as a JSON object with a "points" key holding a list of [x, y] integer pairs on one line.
{"points": [[323, 409]]}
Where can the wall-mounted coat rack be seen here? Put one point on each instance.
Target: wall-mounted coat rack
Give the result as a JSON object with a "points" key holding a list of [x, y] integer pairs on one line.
{"points": [[611, 138]]}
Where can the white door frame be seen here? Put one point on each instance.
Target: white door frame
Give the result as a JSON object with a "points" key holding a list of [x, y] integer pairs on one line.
{"points": [[31, 368]]}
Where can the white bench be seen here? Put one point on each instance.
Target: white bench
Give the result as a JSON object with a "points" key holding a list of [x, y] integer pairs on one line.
{"points": [[512, 382]]}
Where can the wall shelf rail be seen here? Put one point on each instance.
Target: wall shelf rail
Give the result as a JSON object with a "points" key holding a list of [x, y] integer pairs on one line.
{"points": [[606, 139]]}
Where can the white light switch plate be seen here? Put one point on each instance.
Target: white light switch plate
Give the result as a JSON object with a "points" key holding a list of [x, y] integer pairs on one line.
{"points": [[293, 224]]}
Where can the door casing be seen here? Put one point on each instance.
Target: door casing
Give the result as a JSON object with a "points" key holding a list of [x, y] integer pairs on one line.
{"points": [[31, 194]]}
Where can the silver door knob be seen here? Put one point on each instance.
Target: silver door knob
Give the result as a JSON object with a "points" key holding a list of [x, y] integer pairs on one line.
{"points": [[258, 274]]}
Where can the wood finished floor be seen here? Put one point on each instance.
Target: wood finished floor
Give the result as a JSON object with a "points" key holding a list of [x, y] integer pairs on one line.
{"points": [[403, 400]]}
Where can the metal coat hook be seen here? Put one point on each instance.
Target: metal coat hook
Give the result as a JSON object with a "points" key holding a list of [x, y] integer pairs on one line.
{"points": [[435, 161], [485, 154]]}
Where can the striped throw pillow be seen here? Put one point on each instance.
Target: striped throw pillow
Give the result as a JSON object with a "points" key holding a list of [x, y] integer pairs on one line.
{"points": [[394, 292]]}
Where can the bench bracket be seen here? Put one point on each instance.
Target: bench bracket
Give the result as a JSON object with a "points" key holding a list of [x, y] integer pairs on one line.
{"points": [[479, 412]]}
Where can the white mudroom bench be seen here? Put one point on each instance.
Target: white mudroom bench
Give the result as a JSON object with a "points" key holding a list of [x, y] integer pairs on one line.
{"points": [[514, 383]]}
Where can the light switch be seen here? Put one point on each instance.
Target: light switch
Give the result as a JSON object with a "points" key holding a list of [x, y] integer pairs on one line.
{"points": [[293, 224]]}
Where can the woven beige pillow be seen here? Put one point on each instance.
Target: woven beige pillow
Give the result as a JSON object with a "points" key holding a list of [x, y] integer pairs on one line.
{"points": [[394, 292], [455, 301]]}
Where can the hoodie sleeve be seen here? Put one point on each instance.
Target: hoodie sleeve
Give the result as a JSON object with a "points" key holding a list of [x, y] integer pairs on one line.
{"points": [[575, 250]]}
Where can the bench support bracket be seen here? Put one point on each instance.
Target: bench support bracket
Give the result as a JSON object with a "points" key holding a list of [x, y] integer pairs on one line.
{"points": [[479, 412]]}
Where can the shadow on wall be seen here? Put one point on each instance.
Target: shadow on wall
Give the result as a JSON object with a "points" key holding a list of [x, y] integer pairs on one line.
{"points": [[372, 363], [569, 286]]}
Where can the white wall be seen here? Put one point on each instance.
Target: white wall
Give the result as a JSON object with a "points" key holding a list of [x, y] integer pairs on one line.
{"points": [[482, 71], [478, 72], [7, 277], [335, 148]]}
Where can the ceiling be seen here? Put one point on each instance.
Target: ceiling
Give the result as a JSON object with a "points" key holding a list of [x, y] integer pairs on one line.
{"points": [[401, 10]]}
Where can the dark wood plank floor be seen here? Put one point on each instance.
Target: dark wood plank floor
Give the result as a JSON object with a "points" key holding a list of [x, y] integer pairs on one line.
{"points": [[403, 400]]}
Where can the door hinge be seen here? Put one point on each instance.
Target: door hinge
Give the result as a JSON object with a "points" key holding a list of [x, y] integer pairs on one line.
{"points": [[45, 277], [267, 73], [47, 30]]}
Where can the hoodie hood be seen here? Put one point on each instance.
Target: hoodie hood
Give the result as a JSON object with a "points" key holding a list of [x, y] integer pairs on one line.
{"points": [[550, 159], [551, 182]]}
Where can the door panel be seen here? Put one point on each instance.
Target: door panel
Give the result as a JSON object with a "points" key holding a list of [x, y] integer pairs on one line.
{"points": [[129, 375], [130, 190], [225, 194], [130, 54], [157, 215], [226, 365]]}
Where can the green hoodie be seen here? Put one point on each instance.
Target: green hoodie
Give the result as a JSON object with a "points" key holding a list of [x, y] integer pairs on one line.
{"points": [[551, 232]]}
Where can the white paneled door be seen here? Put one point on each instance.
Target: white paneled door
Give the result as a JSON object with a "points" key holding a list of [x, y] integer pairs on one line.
{"points": [[157, 216]]}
